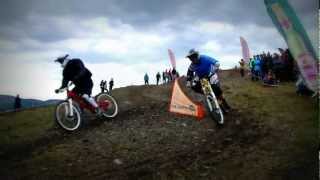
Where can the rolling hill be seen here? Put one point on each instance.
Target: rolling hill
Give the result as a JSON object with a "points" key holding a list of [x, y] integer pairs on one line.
{"points": [[7, 102]]}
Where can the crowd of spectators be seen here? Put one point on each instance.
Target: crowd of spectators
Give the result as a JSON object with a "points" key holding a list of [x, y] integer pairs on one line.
{"points": [[169, 75], [280, 66], [275, 68]]}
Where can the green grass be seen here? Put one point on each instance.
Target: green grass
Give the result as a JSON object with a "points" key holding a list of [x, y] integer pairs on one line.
{"points": [[292, 119], [25, 126]]}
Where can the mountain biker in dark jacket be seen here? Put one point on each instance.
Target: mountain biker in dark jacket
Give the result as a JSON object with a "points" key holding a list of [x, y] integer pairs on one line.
{"points": [[75, 71], [205, 67]]}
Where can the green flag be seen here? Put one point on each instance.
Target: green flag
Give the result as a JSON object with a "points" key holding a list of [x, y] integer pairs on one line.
{"points": [[291, 29]]}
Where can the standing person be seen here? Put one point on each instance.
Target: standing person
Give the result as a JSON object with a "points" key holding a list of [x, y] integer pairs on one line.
{"points": [[277, 66], [301, 87], [167, 76], [174, 74], [269, 62], [163, 77], [146, 79], [241, 62], [257, 68], [269, 78], [158, 76], [17, 103], [170, 75], [284, 59], [291, 66], [111, 83], [205, 67], [75, 71], [251, 65], [103, 85], [264, 65]]}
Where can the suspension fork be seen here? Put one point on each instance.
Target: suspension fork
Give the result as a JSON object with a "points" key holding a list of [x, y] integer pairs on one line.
{"points": [[206, 88], [70, 109]]}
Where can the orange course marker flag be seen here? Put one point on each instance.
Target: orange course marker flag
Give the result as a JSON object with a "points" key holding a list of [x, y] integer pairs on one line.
{"points": [[181, 104]]}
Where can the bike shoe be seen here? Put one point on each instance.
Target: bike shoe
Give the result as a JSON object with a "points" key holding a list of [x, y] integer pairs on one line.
{"points": [[224, 110], [98, 112]]}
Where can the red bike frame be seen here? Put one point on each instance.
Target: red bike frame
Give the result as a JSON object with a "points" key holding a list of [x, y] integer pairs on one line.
{"points": [[85, 105]]}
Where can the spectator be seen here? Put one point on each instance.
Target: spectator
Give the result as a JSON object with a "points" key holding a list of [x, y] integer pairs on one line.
{"points": [[111, 83], [291, 69], [146, 79], [264, 68], [170, 75], [17, 103], [269, 62], [302, 88], [158, 76], [241, 62], [251, 65], [270, 78], [103, 85], [282, 66], [163, 77], [277, 66], [174, 74], [257, 67], [166, 76]]}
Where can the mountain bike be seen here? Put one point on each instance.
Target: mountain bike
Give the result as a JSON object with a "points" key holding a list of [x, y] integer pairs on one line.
{"points": [[211, 100], [68, 113]]}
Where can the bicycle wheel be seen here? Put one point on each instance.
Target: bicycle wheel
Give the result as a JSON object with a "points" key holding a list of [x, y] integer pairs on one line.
{"points": [[214, 110], [63, 118], [107, 104]]}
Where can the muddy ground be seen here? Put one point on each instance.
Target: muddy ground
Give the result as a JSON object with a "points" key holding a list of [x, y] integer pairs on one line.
{"points": [[145, 141]]}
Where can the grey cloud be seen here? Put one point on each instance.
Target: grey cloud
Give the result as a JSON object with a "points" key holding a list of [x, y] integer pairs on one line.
{"points": [[149, 12], [144, 15]]}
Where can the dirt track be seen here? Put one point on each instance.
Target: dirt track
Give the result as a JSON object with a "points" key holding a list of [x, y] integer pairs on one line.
{"points": [[145, 141]]}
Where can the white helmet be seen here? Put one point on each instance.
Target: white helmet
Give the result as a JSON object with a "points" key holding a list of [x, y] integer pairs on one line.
{"points": [[61, 59]]}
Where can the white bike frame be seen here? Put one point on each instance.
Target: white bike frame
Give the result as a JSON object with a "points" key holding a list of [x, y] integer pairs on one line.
{"points": [[70, 103], [70, 107]]}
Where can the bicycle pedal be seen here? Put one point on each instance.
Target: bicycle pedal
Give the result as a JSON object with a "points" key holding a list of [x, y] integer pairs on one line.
{"points": [[99, 112]]}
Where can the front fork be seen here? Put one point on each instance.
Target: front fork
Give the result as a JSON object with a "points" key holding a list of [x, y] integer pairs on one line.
{"points": [[69, 109], [206, 88]]}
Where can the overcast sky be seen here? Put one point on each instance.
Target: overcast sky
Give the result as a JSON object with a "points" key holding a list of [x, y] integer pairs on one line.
{"points": [[125, 39]]}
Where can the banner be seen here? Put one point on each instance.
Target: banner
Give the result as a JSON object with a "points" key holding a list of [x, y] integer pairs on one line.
{"points": [[181, 104], [245, 50], [297, 40], [172, 58]]}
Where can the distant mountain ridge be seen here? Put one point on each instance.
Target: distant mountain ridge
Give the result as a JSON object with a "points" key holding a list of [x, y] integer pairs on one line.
{"points": [[7, 102]]}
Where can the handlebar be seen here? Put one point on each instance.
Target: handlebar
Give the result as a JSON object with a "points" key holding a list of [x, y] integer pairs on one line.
{"points": [[64, 89]]}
